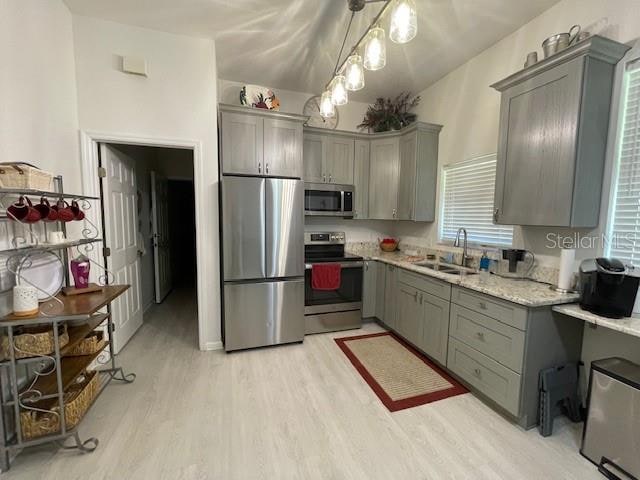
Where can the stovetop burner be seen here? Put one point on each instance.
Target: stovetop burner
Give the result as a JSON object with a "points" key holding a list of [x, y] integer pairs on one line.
{"points": [[319, 257], [323, 247]]}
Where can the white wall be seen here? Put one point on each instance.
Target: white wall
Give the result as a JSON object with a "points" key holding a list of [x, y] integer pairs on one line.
{"points": [[38, 110], [176, 101], [38, 107], [469, 109], [349, 115]]}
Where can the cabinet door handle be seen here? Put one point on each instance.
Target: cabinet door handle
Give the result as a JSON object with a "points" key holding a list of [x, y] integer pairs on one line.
{"points": [[483, 305], [324, 177], [366, 266], [330, 178], [496, 213], [415, 297], [267, 168], [477, 372], [394, 213], [259, 167], [480, 336], [421, 299]]}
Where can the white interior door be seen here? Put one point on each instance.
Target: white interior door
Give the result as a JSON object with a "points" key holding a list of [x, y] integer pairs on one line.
{"points": [[161, 250], [121, 222]]}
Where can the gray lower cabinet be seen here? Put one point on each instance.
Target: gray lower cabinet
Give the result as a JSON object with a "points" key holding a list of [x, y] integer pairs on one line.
{"points": [[369, 287], [435, 334], [499, 348], [553, 130], [361, 179], [390, 295], [496, 347], [409, 313], [381, 283], [494, 380], [422, 306]]}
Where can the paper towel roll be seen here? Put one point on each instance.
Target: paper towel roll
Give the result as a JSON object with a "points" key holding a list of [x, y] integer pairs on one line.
{"points": [[565, 275]]}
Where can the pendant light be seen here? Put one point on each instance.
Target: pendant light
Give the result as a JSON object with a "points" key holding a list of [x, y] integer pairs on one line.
{"points": [[375, 54], [354, 73], [339, 91], [404, 21], [327, 110]]}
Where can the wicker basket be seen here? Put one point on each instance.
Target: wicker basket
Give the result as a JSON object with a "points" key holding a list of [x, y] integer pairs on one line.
{"points": [[77, 400], [33, 341], [24, 176], [88, 346]]}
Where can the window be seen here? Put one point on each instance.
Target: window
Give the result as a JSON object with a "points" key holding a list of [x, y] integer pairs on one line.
{"points": [[467, 201], [623, 233]]}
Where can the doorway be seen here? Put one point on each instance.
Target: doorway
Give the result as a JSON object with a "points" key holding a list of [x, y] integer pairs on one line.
{"points": [[145, 233]]}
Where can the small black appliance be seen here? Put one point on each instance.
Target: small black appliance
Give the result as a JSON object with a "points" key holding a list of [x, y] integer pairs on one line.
{"points": [[607, 287]]}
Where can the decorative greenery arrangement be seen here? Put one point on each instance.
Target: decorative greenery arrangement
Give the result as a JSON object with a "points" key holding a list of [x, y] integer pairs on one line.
{"points": [[387, 114]]}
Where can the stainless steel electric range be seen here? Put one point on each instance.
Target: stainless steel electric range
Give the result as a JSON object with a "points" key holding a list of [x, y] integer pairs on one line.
{"points": [[341, 309]]}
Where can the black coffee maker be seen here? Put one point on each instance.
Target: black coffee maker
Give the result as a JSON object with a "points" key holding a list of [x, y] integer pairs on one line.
{"points": [[607, 287]]}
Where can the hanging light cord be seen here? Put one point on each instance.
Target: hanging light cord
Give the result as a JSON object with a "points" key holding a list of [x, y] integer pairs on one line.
{"points": [[344, 41], [377, 18]]}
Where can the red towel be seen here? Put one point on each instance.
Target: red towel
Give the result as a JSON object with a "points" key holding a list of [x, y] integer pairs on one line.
{"points": [[325, 276]]}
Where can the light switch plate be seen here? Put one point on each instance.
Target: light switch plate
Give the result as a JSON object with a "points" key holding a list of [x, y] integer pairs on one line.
{"points": [[134, 65]]}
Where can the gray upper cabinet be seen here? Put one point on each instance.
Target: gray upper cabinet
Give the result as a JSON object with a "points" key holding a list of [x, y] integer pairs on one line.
{"points": [[313, 157], [418, 173], [553, 129], [242, 138], [282, 148], [328, 157], [383, 178], [361, 179], [394, 173], [261, 143], [339, 160]]}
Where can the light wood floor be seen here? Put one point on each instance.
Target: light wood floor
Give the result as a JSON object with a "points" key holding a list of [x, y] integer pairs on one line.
{"points": [[292, 412]]}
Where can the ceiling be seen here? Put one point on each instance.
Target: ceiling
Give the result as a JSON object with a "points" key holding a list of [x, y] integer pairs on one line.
{"points": [[293, 44]]}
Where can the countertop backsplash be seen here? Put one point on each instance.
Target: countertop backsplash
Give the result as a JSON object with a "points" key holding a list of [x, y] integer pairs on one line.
{"points": [[538, 273]]}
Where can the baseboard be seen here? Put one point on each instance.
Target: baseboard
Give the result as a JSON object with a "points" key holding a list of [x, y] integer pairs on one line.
{"points": [[208, 346]]}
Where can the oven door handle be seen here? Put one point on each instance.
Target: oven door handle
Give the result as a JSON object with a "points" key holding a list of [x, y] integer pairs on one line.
{"points": [[307, 266]]}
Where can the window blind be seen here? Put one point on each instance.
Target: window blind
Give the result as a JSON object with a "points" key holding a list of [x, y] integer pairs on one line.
{"points": [[623, 240], [467, 201]]}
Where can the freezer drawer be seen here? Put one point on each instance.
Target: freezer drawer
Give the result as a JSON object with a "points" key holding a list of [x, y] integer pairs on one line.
{"points": [[263, 313]]}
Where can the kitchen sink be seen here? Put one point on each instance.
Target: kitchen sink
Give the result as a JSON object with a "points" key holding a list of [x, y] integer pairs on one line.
{"points": [[448, 268]]}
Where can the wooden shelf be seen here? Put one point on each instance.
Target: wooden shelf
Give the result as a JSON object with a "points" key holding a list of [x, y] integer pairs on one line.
{"points": [[71, 367], [80, 332], [73, 306]]}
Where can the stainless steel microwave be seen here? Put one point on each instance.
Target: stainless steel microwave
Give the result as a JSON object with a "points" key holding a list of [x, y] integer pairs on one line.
{"points": [[328, 200]]}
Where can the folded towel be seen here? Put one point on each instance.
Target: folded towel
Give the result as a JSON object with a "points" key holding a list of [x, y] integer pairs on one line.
{"points": [[325, 276]]}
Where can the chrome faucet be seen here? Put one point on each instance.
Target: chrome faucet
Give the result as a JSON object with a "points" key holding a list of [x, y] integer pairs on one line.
{"points": [[456, 243]]}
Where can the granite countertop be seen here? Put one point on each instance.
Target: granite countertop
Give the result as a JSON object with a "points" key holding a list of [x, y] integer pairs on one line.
{"points": [[628, 325], [523, 292]]}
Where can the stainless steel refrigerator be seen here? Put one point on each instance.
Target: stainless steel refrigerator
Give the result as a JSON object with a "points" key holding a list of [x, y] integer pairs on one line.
{"points": [[263, 261]]}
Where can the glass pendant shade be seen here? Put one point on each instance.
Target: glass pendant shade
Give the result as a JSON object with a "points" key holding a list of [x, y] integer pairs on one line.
{"points": [[375, 54], [327, 110], [339, 91], [354, 73], [404, 21]]}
